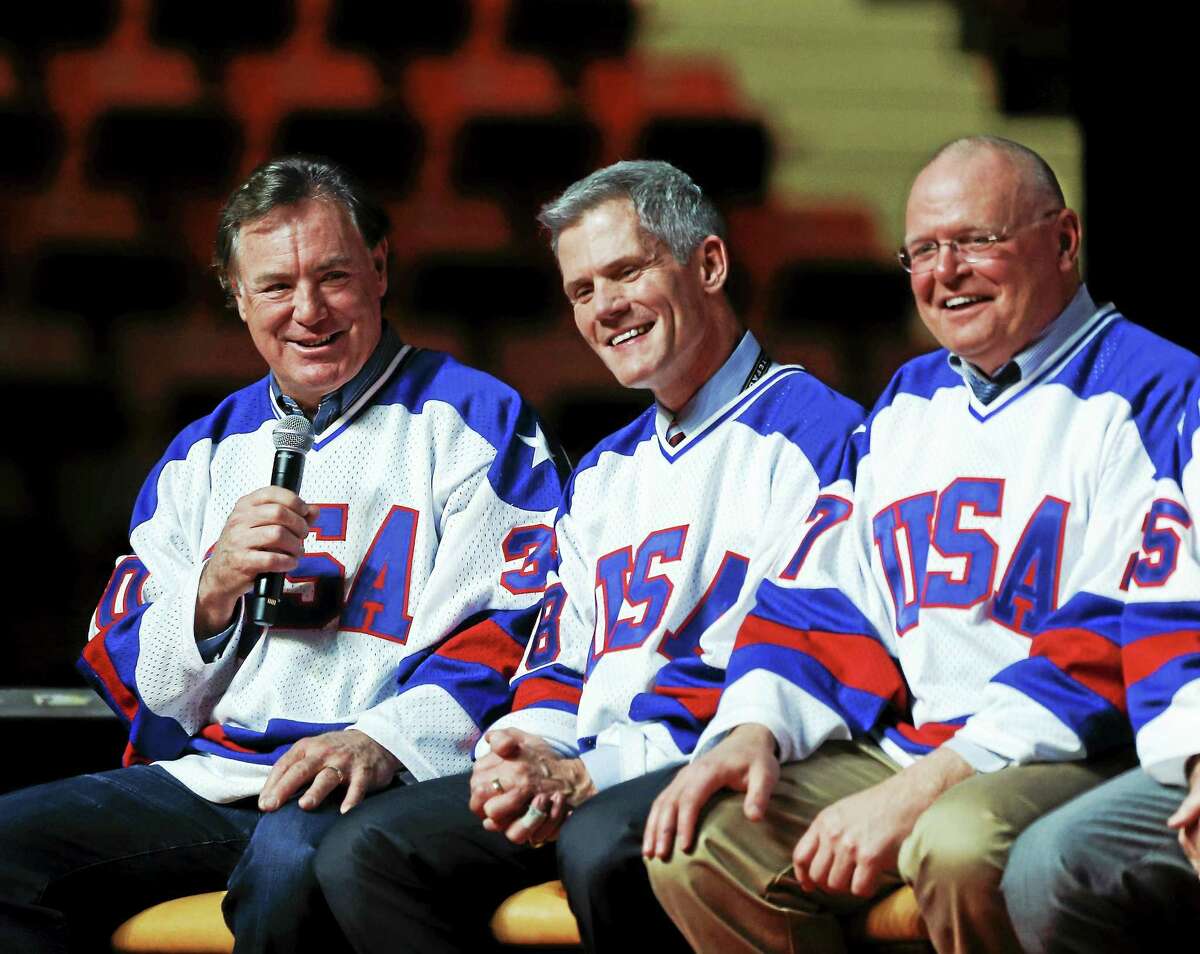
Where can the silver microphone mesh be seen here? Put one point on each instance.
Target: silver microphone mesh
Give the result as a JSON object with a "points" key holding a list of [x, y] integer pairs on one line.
{"points": [[293, 433]]}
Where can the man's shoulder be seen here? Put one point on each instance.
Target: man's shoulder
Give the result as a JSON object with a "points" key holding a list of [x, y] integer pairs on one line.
{"points": [[622, 442], [920, 377], [793, 402], [241, 412], [1127, 358], [426, 375]]}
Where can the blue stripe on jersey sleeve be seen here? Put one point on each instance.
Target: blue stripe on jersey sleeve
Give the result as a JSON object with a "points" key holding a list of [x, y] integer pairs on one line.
{"points": [[492, 410], [825, 610], [1099, 615], [860, 709], [1150, 696], [482, 692], [1090, 716], [1158, 379], [812, 416], [1144, 620]]}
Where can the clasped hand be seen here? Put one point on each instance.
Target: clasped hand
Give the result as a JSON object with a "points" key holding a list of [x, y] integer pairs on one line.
{"points": [[525, 789]]}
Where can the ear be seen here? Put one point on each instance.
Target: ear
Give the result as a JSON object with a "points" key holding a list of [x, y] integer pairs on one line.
{"points": [[713, 264], [379, 259], [1070, 235], [239, 297]]}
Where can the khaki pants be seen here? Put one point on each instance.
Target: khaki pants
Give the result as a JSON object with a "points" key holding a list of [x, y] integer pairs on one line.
{"points": [[736, 892]]}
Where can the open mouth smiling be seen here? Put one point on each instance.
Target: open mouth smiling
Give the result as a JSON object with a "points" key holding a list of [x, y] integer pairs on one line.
{"points": [[320, 342], [629, 335], [963, 301]]}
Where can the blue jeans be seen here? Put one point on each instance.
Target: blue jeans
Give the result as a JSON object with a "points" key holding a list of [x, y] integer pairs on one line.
{"points": [[1105, 873], [79, 856]]}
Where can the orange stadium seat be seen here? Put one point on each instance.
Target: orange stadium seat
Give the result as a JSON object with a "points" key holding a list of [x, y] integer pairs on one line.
{"points": [[535, 917]]}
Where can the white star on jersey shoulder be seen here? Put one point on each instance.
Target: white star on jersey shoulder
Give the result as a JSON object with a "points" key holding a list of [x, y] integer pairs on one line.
{"points": [[536, 441]]}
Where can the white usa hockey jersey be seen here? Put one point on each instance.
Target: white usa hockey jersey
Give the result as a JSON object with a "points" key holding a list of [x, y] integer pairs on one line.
{"points": [[979, 575], [410, 608], [653, 568]]}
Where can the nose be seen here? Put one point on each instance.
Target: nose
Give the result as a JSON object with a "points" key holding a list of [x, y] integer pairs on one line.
{"points": [[308, 305], [608, 300], [948, 261]]}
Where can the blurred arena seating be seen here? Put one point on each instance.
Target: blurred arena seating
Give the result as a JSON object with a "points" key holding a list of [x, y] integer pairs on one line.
{"points": [[126, 123]]}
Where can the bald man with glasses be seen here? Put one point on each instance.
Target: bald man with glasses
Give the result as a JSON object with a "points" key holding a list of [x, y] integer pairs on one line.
{"points": [[936, 660]]}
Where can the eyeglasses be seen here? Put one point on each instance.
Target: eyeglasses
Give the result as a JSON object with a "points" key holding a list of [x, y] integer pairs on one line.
{"points": [[921, 257]]}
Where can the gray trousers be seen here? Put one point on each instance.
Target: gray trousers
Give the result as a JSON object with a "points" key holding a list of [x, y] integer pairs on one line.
{"points": [[1104, 873]]}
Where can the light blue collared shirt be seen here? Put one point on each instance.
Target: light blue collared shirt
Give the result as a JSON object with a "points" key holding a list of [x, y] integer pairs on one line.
{"points": [[714, 394], [1030, 358]]}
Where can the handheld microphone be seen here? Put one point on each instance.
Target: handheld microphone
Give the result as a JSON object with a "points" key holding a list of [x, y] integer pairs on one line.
{"points": [[293, 437]]}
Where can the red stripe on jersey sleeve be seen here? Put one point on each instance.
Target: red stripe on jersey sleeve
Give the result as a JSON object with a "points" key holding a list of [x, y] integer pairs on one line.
{"points": [[486, 644], [532, 692], [931, 734], [1087, 658], [858, 662], [96, 654], [700, 702], [1146, 656]]}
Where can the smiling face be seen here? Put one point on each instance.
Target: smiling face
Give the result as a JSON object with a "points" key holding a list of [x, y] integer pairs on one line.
{"points": [[308, 288], [987, 311], [654, 322]]}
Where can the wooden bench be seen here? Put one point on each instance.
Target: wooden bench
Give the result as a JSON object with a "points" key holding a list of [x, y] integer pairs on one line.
{"points": [[535, 917]]}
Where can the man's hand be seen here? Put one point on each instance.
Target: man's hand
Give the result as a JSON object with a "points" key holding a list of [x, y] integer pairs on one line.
{"points": [[1186, 819], [330, 760], [854, 841], [743, 761], [524, 788], [264, 534]]}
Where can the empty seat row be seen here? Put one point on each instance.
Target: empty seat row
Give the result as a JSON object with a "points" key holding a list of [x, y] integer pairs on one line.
{"points": [[568, 34]]}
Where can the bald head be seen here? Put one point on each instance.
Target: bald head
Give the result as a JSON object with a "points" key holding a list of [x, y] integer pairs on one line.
{"points": [[1036, 177], [988, 309]]}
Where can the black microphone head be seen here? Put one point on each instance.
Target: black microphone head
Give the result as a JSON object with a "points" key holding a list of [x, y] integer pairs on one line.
{"points": [[293, 433]]}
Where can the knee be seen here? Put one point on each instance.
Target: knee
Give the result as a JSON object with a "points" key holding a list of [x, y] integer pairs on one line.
{"points": [[1040, 873], [596, 845], [350, 850], [954, 842]]}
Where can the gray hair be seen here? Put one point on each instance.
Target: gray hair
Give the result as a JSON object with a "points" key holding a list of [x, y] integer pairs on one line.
{"points": [[1038, 173], [669, 205], [287, 181]]}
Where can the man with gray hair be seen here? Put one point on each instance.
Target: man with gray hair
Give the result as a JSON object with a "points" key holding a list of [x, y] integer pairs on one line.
{"points": [[412, 567], [656, 539]]}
